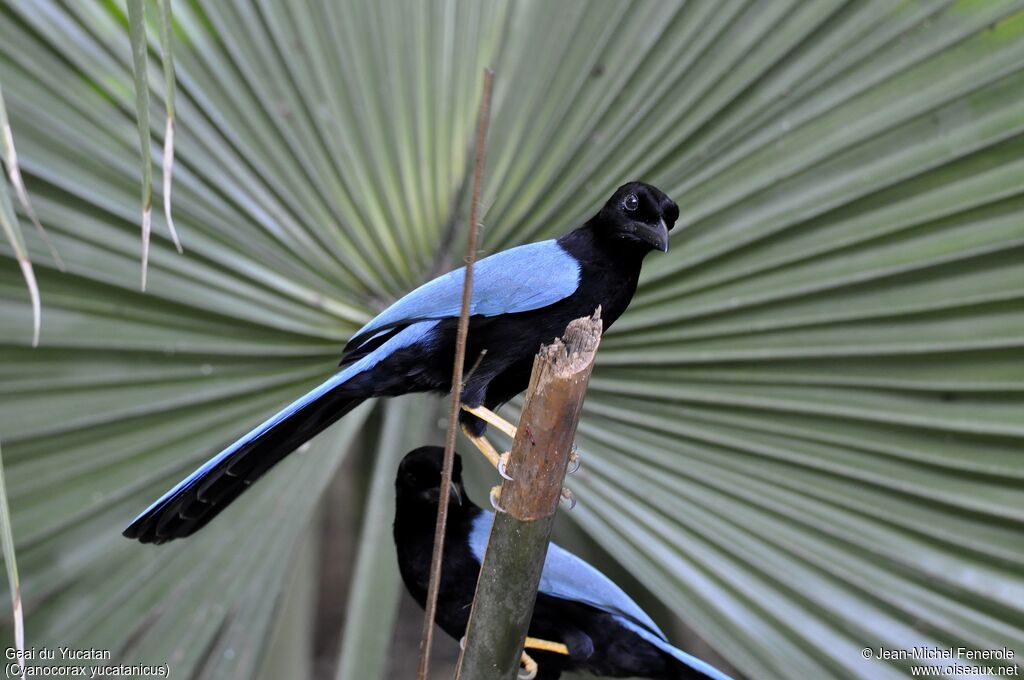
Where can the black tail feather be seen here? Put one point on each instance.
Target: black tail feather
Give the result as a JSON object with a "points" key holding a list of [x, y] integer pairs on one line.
{"points": [[191, 505]]}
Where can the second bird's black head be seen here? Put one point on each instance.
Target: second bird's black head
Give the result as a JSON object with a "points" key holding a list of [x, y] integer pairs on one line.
{"points": [[419, 477], [639, 214]]}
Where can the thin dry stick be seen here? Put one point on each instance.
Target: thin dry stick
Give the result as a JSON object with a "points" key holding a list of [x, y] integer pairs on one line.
{"points": [[460, 355]]}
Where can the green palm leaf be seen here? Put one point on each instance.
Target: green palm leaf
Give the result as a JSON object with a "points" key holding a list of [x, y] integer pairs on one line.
{"points": [[803, 438]]}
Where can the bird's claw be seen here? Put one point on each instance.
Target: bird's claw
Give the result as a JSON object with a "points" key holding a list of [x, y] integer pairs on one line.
{"points": [[494, 497], [462, 643], [529, 668], [575, 460], [503, 465], [568, 497]]}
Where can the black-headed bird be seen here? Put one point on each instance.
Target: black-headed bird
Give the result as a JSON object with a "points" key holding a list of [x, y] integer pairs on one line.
{"points": [[582, 621], [522, 298]]}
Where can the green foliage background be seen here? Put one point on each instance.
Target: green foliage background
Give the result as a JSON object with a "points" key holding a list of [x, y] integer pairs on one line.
{"points": [[804, 438]]}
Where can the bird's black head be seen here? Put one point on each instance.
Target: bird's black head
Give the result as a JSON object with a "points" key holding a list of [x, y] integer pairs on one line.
{"points": [[641, 214], [419, 477]]}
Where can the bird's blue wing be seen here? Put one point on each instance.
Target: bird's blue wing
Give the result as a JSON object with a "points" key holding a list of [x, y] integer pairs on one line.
{"points": [[519, 279], [568, 577], [689, 660]]}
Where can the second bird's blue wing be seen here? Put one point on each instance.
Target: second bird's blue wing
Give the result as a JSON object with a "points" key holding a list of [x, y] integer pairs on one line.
{"points": [[519, 279], [568, 577]]}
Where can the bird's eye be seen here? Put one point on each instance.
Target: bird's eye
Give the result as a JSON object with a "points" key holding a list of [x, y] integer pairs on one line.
{"points": [[631, 203]]}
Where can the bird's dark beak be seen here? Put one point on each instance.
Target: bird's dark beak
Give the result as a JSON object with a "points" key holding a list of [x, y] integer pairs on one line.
{"points": [[455, 492], [656, 235]]}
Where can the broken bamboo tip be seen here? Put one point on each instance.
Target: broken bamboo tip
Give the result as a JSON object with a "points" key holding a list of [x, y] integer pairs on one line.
{"points": [[575, 350], [554, 399]]}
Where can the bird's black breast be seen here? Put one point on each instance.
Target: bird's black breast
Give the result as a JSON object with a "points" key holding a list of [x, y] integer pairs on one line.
{"points": [[414, 539], [609, 272]]}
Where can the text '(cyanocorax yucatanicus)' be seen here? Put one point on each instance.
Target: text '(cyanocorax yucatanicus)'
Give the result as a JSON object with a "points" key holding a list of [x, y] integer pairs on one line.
{"points": [[522, 298]]}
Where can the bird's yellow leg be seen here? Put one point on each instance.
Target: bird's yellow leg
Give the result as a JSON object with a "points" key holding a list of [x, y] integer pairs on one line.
{"points": [[492, 418], [498, 460], [546, 646], [484, 446], [529, 666]]}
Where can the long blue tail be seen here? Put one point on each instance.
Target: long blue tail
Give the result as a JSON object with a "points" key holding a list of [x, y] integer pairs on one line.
{"points": [[203, 494], [692, 666]]}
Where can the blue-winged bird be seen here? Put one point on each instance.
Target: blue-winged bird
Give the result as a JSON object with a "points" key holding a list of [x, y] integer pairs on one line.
{"points": [[522, 298], [582, 621]]}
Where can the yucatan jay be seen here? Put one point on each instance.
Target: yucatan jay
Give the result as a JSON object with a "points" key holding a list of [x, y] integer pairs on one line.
{"points": [[604, 631], [522, 298]]}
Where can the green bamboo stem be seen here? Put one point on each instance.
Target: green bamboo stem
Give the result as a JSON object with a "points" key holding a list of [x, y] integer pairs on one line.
{"points": [[514, 558]]}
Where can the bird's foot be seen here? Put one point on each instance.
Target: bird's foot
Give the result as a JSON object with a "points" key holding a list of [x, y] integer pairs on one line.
{"points": [[492, 418], [498, 460], [575, 461], [502, 466], [529, 667], [495, 497], [568, 497]]}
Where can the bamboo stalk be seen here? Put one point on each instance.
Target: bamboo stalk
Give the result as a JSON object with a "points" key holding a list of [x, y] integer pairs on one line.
{"points": [[514, 558]]}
